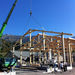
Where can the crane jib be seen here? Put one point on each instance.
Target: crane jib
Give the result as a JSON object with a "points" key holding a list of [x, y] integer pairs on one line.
{"points": [[2, 29], [6, 21]]}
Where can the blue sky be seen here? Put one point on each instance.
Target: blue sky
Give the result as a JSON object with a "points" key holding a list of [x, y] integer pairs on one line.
{"points": [[51, 15]]}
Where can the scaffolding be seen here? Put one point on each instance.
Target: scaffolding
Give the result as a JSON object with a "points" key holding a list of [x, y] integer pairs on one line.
{"points": [[47, 47]]}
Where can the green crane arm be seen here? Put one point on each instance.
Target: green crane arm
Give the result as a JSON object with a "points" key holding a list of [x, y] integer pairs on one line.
{"points": [[6, 21]]}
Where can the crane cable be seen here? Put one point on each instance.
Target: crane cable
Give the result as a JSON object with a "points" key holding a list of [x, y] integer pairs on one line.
{"points": [[30, 7], [31, 16]]}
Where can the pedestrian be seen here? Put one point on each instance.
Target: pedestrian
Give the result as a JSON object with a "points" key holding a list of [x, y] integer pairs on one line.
{"points": [[65, 66], [62, 65]]}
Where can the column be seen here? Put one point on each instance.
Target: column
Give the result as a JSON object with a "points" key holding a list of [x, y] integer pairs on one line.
{"points": [[50, 54], [70, 55], [13, 51], [40, 57], [44, 48], [20, 51], [30, 47], [63, 47], [33, 58]]}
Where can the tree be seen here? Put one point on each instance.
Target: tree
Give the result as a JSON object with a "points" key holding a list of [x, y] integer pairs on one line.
{"points": [[5, 47]]}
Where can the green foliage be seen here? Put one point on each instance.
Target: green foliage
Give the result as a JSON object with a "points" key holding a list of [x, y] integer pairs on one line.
{"points": [[5, 47], [1, 55]]}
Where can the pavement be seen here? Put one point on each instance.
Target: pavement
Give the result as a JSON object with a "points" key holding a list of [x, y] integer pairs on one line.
{"points": [[38, 72]]}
